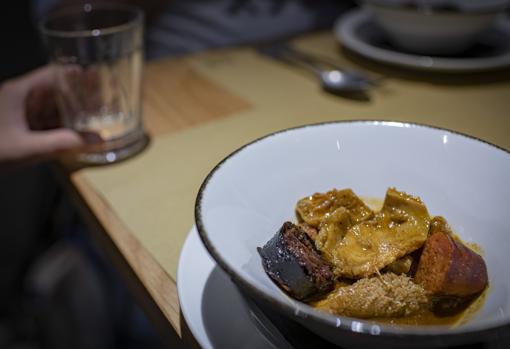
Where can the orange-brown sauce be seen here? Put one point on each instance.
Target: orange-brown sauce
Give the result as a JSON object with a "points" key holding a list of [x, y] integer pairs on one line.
{"points": [[428, 317]]}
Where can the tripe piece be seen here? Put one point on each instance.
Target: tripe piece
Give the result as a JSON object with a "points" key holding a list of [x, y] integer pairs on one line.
{"points": [[313, 209], [398, 229]]}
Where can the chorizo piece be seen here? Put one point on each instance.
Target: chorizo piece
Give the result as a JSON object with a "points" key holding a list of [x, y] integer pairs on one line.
{"points": [[449, 268]]}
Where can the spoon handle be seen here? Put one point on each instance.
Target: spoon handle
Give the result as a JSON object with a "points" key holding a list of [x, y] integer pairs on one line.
{"points": [[326, 63], [318, 65], [284, 53]]}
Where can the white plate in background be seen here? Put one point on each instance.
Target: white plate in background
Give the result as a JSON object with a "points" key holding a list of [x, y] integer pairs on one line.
{"points": [[357, 31]]}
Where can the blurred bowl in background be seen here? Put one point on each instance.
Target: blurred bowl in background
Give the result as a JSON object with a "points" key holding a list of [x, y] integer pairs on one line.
{"points": [[440, 28]]}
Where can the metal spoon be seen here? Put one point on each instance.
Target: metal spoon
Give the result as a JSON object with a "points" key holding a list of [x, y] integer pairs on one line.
{"points": [[332, 78]]}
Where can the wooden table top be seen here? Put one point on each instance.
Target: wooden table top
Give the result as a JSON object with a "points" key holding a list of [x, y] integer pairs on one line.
{"points": [[180, 95]]}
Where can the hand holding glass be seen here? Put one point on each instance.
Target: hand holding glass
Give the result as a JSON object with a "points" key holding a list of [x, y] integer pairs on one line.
{"points": [[97, 56]]}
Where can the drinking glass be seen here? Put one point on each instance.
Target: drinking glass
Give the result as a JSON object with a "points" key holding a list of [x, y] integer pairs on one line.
{"points": [[97, 55]]}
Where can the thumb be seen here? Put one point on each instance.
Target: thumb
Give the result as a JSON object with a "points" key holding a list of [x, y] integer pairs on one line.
{"points": [[47, 142]]}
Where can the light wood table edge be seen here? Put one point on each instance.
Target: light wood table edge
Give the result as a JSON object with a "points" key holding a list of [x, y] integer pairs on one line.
{"points": [[153, 288]]}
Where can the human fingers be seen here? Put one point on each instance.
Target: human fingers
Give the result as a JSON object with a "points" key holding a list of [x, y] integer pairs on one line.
{"points": [[41, 109], [51, 141], [40, 77], [14, 92]]}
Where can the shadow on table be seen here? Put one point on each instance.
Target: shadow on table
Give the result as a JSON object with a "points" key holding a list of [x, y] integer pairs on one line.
{"points": [[187, 336], [437, 78]]}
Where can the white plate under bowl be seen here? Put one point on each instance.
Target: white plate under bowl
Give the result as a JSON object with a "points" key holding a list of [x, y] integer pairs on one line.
{"points": [[358, 32], [213, 308], [247, 197]]}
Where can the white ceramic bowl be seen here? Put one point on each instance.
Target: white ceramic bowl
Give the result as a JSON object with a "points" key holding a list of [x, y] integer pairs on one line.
{"points": [[431, 32], [247, 197]]}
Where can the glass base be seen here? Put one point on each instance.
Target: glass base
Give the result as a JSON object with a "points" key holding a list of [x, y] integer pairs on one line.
{"points": [[116, 154]]}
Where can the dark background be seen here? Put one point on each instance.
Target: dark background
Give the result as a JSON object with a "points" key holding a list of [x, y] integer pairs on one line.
{"points": [[56, 289]]}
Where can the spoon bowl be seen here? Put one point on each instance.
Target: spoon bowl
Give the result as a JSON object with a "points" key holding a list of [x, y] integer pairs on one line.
{"points": [[336, 81]]}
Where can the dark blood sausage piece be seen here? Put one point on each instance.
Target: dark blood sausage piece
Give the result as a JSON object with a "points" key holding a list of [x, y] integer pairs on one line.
{"points": [[448, 268], [292, 261]]}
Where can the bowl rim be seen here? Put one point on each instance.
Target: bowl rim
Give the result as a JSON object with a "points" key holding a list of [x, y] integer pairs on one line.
{"points": [[295, 308], [494, 9]]}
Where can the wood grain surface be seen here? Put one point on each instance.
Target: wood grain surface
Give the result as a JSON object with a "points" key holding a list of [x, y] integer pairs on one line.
{"points": [[176, 97]]}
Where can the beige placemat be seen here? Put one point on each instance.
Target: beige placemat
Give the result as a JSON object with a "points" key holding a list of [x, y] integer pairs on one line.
{"points": [[154, 193]]}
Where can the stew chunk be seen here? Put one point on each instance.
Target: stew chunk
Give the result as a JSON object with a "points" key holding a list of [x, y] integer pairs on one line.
{"points": [[398, 229], [291, 260], [448, 268], [313, 209], [388, 295]]}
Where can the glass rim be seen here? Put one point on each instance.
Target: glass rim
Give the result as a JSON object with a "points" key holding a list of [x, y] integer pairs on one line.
{"points": [[90, 8]]}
